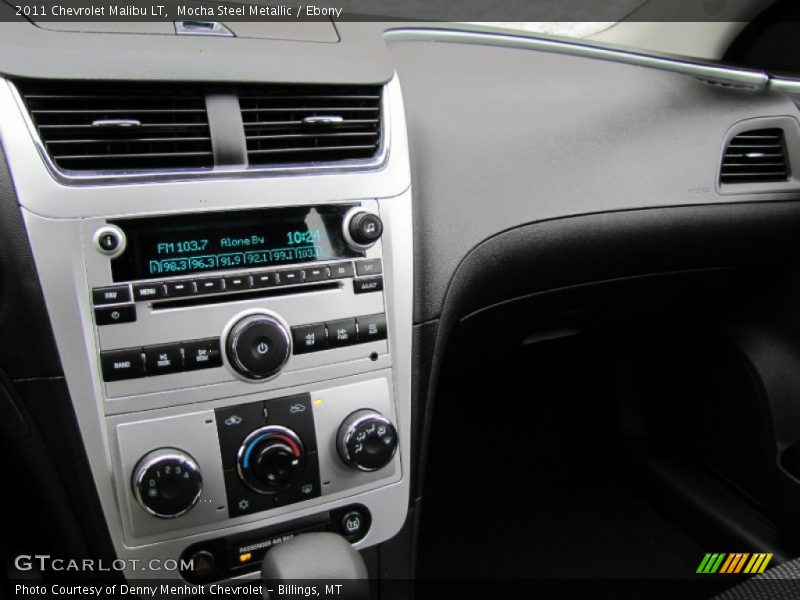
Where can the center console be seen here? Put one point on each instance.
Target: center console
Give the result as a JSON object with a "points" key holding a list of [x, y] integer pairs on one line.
{"points": [[237, 348]]}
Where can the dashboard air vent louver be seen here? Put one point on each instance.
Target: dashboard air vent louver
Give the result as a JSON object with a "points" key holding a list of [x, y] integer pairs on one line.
{"points": [[311, 123], [757, 156], [109, 127]]}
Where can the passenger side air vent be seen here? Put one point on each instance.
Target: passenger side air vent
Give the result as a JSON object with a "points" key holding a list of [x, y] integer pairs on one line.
{"points": [[108, 127], [757, 156], [311, 124]]}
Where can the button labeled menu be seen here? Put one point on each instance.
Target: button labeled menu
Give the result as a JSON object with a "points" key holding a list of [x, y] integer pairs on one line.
{"points": [[149, 291]]}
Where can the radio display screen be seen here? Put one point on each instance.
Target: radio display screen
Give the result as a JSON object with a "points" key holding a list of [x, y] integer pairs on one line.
{"points": [[194, 243]]}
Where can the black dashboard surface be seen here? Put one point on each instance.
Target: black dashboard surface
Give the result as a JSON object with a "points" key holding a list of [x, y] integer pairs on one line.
{"points": [[503, 137]]}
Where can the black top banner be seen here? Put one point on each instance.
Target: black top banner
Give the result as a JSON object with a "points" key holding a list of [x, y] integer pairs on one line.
{"points": [[509, 12]]}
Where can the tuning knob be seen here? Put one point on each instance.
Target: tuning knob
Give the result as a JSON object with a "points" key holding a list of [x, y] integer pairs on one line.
{"points": [[258, 346], [270, 459], [167, 483], [362, 229], [366, 440]]}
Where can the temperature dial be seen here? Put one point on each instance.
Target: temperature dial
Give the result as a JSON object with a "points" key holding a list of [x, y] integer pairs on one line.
{"points": [[367, 440], [167, 483], [270, 459]]}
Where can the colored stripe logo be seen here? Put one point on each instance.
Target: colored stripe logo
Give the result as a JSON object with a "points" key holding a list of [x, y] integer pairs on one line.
{"points": [[734, 562]]}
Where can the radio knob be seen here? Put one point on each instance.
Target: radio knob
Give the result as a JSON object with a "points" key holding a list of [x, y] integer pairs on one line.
{"points": [[366, 440], [363, 229], [167, 483], [270, 459], [258, 346]]}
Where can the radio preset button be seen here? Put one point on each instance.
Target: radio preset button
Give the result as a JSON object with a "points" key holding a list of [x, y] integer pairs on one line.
{"points": [[184, 287], [202, 354], [341, 332], [369, 267], [371, 327], [312, 274], [149, 291], [309, 338], [262, 280], [209, 286], [237, 282], [365, 285], [111, 295], [112, 315], [122, 364], [290, 276], [163, 359], [341, 270]]}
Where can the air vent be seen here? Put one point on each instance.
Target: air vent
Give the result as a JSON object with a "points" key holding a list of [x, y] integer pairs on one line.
{"points": [[100, 127], [757, 156], [311, 124]]}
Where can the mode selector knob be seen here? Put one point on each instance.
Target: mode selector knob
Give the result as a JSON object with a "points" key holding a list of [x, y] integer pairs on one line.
{"points": [[362, 229], [258, 346], [367, 440], [167, 483]]}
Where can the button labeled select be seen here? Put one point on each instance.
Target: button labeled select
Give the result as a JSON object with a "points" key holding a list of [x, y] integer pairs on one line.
{"points": [[341, 332], [365, 285], [115, 314]]}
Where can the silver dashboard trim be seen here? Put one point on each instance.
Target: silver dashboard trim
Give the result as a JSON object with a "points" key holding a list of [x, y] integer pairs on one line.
{"points": [[749, 78], [69, 177]]}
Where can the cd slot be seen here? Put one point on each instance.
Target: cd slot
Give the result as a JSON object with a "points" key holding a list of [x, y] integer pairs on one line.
{"points": [[247, 295]]}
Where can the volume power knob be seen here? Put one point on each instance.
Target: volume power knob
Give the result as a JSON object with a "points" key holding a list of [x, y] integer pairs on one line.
{"points": [[258, 346], [367, 440]]}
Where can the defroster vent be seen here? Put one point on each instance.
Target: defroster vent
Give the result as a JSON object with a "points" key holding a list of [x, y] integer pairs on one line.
{"points": [[110, 127], [311, 124], [757, 156]]}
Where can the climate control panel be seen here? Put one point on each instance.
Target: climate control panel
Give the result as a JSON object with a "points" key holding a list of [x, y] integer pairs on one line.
{"points": [[269, 453], [257, 457]]}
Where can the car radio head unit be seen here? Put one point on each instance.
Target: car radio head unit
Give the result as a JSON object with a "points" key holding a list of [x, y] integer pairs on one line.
{"points": [[193, 243]]}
